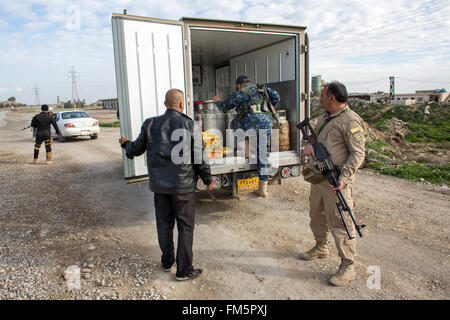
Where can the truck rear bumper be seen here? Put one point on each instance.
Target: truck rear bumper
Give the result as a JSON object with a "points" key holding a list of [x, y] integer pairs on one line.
{"points": [[236, 164]]}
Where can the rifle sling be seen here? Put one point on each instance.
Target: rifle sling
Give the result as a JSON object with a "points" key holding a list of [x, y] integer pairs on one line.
{"points": [[329, 119]]}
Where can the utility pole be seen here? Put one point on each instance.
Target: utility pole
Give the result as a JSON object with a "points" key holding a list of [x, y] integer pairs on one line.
{"points": [[36, 94], [391, 89], [73, 78]]}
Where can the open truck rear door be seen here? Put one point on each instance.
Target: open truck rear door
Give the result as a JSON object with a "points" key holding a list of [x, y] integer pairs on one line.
{"points": [[149, 60]]}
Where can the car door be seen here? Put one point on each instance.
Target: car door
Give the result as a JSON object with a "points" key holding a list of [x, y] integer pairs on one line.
{"points": [[149, 60]]}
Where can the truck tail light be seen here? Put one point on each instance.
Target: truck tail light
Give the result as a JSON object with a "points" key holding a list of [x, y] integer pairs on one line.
{"points": [[69, 125], [295, 171], [200, 185], [285, 172], [95, 124]]}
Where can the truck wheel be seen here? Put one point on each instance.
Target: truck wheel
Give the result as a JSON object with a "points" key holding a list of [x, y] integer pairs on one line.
{"points": [[94, 136]]}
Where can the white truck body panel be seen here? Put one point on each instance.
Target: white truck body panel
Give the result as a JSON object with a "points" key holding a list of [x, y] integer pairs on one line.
{"points": [[149, 61], [154, 55]]}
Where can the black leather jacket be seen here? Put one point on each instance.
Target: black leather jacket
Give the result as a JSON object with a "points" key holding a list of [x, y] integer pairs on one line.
{"points": [[42, 122], [156, 136]]}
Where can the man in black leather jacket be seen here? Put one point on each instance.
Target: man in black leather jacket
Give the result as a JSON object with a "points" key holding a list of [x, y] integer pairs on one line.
{"points": [[173, 174], [42, 122]]}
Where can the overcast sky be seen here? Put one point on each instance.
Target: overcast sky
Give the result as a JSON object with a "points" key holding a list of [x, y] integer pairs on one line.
{"points": [[360, 43]]}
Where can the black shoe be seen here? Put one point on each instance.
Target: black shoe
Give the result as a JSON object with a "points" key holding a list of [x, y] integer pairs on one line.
{"points": [[194, 273], [168, 269]]}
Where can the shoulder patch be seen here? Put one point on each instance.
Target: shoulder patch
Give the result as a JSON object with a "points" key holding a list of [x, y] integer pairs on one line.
{"points": [[357, 136], [354, 130]]}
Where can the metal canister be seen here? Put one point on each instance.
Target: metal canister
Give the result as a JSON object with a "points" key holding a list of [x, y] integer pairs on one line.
{"points": [[284, 141], [213, 118]]}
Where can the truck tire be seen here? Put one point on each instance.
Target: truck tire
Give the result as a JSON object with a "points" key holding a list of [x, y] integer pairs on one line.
{"points": [[94, 136]]}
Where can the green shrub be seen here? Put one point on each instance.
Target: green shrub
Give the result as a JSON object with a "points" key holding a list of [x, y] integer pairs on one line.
{"points": [[413, 171], [115, 124]]}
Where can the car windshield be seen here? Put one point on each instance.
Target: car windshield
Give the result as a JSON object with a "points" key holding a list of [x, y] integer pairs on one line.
{"points": [[74, 115]]}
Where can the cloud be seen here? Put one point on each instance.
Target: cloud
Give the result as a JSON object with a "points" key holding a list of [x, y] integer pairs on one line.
{"points": [[19, 89], [351, 40], [3, 90]]}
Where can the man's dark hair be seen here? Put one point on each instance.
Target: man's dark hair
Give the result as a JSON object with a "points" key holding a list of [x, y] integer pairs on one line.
{"points": [[338, 90], [44, 107]]}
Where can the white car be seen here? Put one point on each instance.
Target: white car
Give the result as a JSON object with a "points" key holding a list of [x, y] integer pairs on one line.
{"points": [[75, 124]]}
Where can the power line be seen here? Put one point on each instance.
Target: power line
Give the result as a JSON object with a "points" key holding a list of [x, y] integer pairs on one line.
{"points": [[367, 34], [380, 34], [353, 83], [425, 81], [74, 78], [36, 94], [403, 18]]}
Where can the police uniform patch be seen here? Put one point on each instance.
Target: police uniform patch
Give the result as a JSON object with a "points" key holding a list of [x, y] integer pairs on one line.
{"points": [[357, 136], [355, 130]]}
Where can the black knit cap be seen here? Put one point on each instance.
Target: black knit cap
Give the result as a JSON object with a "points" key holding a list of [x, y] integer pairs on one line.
{"points": [[44, 107], [242, 79]]}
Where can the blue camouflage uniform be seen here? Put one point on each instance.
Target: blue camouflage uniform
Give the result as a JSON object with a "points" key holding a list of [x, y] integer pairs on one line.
{"points": [[242, 100]]}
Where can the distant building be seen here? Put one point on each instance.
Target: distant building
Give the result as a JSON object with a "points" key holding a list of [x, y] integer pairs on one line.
{"points": [[420, 97], [110, 103], [365, 96], [316, 84]]}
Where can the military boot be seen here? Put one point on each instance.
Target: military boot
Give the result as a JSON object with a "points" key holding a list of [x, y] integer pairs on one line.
{"points": [[262, 190], [320, 251], [345, 273], [49, 158], [35, 160]]}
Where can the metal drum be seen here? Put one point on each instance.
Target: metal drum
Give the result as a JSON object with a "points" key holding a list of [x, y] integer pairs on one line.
{"points": [[283, 142], [213, 118]]}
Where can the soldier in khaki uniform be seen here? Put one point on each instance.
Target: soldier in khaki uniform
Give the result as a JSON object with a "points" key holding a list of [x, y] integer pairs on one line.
{"points": [[340, 130]]}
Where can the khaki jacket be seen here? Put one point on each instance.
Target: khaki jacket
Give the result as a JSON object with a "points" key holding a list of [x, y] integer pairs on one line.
{"points": [[343, 136]]}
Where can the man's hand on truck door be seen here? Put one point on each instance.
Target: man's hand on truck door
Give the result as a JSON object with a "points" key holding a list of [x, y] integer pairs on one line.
{"points": [[309, 150], [216, 98], [122, 140]]}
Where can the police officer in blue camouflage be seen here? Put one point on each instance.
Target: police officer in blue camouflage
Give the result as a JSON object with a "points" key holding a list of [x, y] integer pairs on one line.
{"points": [[247, 102]]}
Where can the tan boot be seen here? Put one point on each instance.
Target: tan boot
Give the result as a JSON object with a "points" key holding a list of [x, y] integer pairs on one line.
{"points": [[320, 251], [35, 161], [345, 274], [49, 158], [262, 190]]}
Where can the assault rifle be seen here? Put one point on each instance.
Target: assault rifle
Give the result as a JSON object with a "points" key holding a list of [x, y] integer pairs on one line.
{"points": [[25, 128], [268, 106], [326, 167]]}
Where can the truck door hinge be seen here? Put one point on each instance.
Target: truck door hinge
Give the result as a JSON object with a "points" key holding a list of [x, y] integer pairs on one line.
{"points": [[304, 48]]}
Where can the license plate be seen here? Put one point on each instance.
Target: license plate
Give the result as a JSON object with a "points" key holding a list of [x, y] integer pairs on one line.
{"points": [[247, 185]]}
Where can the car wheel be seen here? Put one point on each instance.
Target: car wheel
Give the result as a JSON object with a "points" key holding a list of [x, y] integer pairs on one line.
{"points": [[94, 136], [61, 139]]}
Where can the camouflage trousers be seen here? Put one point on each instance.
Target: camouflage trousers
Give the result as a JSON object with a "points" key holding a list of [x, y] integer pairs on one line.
{"points": [[258, 121]]}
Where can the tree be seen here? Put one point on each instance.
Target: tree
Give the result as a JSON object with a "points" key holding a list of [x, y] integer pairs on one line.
{"points": [[68, 104], [13, 99]]}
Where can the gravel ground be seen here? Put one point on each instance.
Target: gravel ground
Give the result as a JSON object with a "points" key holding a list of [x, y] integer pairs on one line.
{"points": [[79, 211]]}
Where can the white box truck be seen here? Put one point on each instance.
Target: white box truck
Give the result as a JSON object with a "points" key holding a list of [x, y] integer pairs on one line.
{"points": [[203, 57]]}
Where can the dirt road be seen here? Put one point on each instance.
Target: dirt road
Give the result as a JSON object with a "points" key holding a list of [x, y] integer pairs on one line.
{"points": [[80, 211]]}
